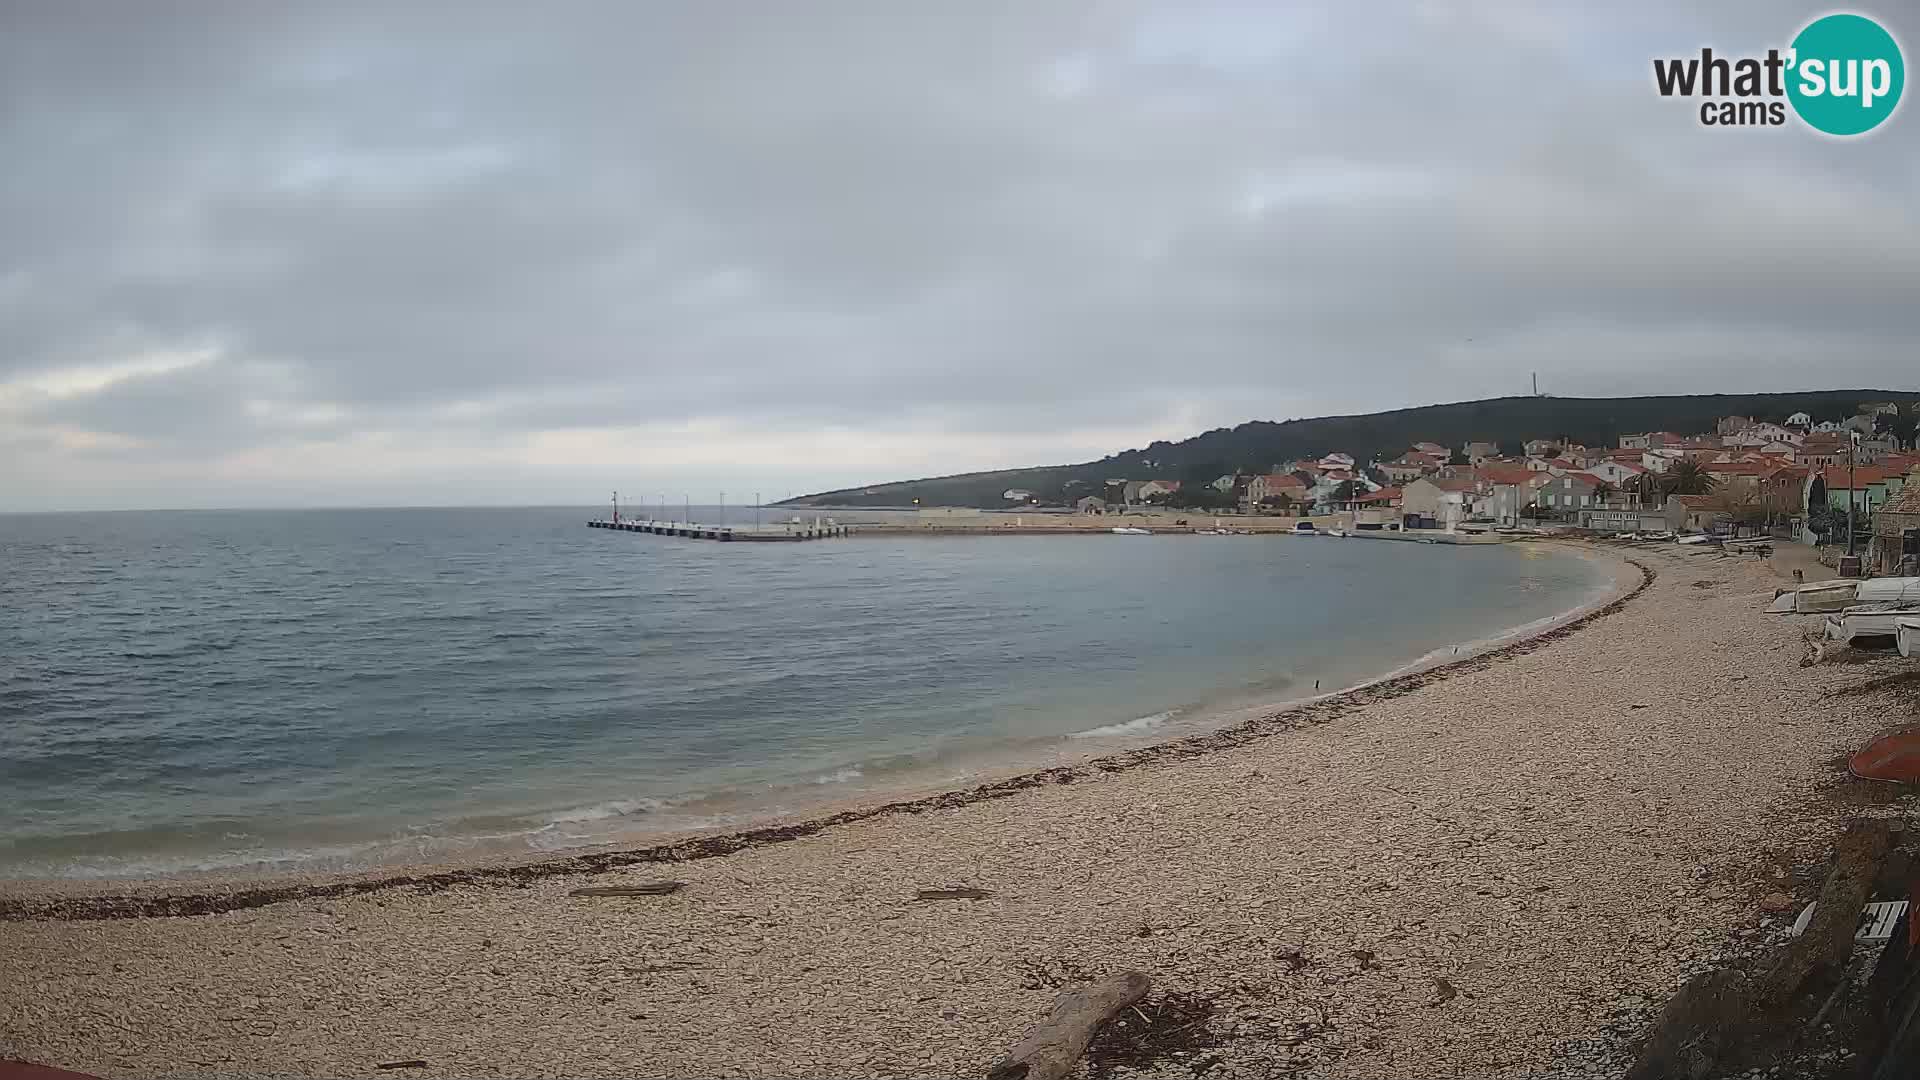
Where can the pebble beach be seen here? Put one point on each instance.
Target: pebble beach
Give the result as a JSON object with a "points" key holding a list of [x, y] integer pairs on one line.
{"points": [[1498, 868]]}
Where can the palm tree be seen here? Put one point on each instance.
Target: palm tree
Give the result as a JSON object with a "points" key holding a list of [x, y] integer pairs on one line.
{"points": [[1688, 478]]}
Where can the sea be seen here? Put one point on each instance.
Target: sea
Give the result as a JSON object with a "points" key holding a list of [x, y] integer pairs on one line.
{"points": [[241, 692]]}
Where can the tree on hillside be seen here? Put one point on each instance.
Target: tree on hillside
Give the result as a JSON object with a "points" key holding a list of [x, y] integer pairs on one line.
{"points": [[1205, 472], [1502, 421], [1686, 477], [1511, 448], [1459, 457], [1199, 497], [1346, 491]]}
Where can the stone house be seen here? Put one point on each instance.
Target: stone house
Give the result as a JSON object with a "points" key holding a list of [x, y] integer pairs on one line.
{"points": [[1896, 531]]}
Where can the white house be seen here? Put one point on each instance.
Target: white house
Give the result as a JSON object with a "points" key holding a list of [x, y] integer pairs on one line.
{"points": [[1660, 460], [1016, 495], [1479, 453], [1565, 494], [1618, 473], [1762, 435], [1152, 488], [1651, 440], [1447, 500], [1324, 491], [1800, 420], [1275, 485]]}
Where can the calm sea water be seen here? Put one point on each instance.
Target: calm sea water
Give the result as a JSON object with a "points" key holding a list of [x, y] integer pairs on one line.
{"points": [[272, 690]]}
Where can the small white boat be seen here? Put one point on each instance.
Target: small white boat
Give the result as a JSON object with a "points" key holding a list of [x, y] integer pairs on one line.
{"points": [[1906, 636], [1341, 533], [1889, 590], [1122, 530], [1871, 621], [1814, 597], [1695, 540]]}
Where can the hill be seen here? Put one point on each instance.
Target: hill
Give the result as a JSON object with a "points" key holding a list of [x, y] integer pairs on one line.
{"points": [[1258, 445]]}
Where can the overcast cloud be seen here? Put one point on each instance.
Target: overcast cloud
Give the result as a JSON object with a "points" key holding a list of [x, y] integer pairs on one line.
{"points": [[473, 253]]}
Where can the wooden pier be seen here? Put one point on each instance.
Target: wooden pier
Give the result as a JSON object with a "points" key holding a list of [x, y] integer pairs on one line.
{"points": [[726, 534]]}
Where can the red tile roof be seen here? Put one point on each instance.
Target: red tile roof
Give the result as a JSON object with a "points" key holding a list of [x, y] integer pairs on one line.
{"points": [[1505, 474], [1836, 475]]}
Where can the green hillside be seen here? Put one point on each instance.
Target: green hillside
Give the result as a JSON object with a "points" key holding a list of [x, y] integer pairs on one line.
{"points": [[1260, 444]]}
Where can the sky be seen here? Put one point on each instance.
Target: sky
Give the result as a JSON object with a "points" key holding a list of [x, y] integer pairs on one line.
{"points": [[408, 254]]}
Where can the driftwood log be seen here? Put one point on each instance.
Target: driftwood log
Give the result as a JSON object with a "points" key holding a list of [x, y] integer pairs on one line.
{"points": [[1826, 943], [1051, 1049], [657, 888], [1719, 1020], [967, 893]]}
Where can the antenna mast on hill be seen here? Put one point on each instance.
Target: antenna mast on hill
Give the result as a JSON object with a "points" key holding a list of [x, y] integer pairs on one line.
{"points": [[1536, 384]]}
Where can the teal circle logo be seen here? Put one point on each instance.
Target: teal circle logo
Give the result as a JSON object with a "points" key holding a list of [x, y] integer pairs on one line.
{"points": [[1846, 74]]}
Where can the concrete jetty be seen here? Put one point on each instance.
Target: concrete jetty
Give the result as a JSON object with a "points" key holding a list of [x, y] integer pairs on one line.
{"points": [[726, 534]]}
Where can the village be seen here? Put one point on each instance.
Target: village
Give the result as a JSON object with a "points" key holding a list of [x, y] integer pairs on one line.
{"points": [[1849, 485]]}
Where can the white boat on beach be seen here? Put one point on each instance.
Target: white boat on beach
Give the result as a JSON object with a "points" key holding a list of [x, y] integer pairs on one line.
{"points": [[1125, 530], [1868, 621], [1906, 636], [1890, 590], [1341, 533], [1814, 597]]}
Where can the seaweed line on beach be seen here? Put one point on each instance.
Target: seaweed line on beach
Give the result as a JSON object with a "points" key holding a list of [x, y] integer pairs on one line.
{"points": [[1309, 714]]}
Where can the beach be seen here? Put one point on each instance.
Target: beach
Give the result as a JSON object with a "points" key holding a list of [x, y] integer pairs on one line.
{"points": [[1500, 867]]}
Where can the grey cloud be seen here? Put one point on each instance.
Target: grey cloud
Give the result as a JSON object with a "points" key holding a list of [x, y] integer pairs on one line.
{"points": [[490, 220]]}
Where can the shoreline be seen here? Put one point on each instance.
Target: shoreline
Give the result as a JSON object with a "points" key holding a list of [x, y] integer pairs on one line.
{"points": [[1499, 868], [89, 899]]}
